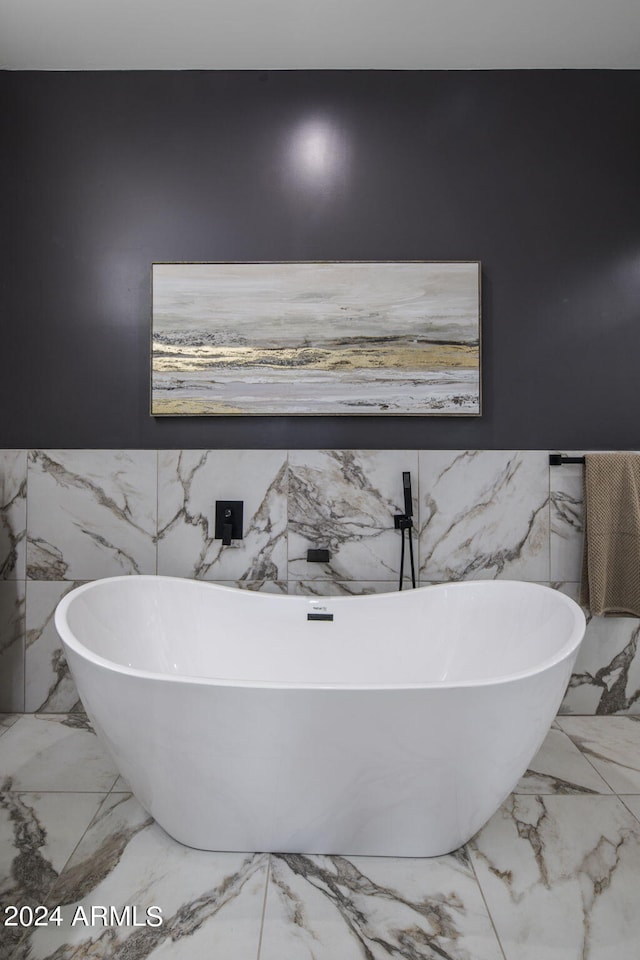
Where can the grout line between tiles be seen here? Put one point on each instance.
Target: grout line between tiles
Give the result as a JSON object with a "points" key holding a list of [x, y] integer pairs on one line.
{"points": [[601, 775], [264, 905], [484, 900], [621, 799], [88, 827], [585, 755], [105, 797]]}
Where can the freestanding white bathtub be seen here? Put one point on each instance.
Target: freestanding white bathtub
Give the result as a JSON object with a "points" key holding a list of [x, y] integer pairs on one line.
{"points": [[392, 724]]}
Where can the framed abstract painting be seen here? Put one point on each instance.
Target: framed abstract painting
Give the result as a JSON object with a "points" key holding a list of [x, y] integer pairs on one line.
{"points": [[326, 338]]}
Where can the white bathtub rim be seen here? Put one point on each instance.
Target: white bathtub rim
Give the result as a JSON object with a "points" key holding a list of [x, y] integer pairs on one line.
{"points": [[566, 651]]}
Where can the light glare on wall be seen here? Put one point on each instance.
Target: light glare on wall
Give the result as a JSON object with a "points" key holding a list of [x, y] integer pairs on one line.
{"points": [[316, 151], [313, 149]]}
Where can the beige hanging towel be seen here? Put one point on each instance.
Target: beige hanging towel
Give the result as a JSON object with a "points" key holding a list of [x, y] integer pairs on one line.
{"points": [[611, 559]]}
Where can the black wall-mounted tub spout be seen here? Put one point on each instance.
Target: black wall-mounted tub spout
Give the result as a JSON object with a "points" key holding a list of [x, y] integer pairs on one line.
{"points": [[228, 524], [227, 528]]}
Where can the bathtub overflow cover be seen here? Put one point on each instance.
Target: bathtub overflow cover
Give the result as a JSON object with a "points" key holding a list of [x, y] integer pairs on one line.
{"points": [[319, 613]]}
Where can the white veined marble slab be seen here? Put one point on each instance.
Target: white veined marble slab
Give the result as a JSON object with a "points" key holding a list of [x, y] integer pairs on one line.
{"points": [[49, 687], [211, 904], [13, 513], [612, 745], [38, 833], [7, 720], [559, 875], [345, 501], [92, 513], [606, 674], [484, 514], [55, 752], [375, 907], [559, 767], [190, 481], [12, 644], [633, 803], [567, 531]]}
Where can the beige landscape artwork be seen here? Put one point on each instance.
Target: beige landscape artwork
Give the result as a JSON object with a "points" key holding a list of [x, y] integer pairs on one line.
{"points": [[316, 338]]}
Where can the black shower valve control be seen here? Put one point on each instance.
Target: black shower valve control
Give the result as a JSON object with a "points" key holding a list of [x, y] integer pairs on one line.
{"points": [[228, 521], [402, 522]]}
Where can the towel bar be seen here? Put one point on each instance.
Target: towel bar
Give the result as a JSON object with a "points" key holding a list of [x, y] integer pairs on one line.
{"points": [[556, 459]]}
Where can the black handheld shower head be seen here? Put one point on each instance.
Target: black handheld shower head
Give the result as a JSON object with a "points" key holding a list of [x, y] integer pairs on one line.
{"points": [[408, 499]]}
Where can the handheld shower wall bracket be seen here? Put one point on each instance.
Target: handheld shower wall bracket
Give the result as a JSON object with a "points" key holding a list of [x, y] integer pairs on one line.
{"points": [[402, 522]]}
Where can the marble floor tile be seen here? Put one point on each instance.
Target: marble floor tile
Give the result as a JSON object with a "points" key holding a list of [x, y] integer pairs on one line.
{"points": [[553, 874], [375, 907], [38, 833], [612, 745], [560, 878], [55, 752], [42, 829], [632, 802], [559, 767], [7, 720], [210, 904], [121, 786]]}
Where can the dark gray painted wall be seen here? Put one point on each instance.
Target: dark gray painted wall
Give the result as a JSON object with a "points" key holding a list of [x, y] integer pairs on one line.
{"points": [[533, 173]]}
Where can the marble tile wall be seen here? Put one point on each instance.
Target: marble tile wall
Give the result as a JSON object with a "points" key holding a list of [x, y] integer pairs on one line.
{"points": [[67, 516]]}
